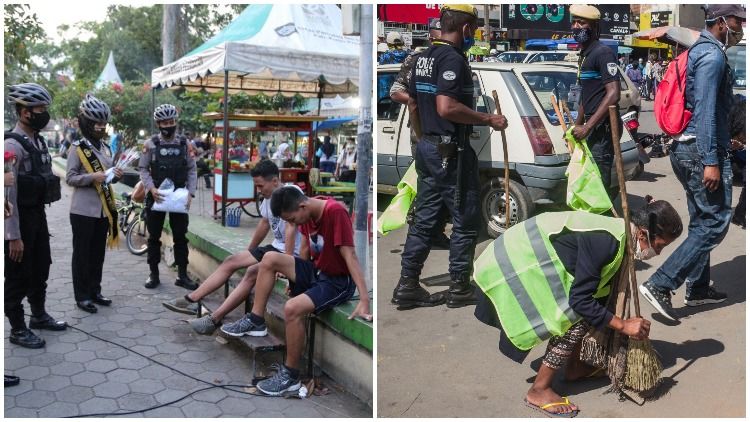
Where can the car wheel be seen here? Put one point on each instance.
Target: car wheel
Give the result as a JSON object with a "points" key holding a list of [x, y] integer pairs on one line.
{"points": [[493, 205]]}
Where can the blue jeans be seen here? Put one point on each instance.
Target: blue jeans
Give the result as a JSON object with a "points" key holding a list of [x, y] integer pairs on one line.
{"points": [[710, 213]]}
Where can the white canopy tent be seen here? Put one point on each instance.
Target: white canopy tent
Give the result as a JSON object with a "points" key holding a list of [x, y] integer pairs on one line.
{"points": [[273, 48], [288, 48], [109, 74]]}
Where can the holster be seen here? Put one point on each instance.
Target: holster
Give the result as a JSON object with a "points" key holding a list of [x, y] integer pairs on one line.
{"points": [[447, 147]]}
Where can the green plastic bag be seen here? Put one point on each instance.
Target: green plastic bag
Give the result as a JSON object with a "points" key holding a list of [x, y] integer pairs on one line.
{"points": [[394, 216], [586, 190]]}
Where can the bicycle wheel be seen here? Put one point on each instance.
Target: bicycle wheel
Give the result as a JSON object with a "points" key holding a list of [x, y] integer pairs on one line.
{"points": [[257, 209], [137, 236]]}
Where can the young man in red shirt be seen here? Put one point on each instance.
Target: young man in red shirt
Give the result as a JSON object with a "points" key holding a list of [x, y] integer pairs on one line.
{"points": [[327, 280]]}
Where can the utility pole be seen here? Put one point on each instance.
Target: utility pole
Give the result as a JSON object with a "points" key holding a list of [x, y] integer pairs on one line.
{"points": [[487, 23], [364, 137]]}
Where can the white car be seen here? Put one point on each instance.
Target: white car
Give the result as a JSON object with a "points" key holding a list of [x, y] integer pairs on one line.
{"points": [[537, 154]]}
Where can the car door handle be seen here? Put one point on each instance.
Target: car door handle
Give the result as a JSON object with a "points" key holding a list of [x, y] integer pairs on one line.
{"points": [[389, 129]]}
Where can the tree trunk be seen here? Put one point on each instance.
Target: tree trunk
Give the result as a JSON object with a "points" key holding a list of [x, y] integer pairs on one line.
{"points": [[174, 33]]}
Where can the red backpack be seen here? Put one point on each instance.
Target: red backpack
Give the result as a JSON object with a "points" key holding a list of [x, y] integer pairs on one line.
{"points": [[669, 102]]}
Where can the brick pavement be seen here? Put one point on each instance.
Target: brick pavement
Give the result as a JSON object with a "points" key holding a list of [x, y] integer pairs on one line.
{"points": [[77, 374]]}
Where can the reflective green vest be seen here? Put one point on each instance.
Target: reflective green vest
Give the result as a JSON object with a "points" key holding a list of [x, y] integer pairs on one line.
{"points": [[394, 216], [526, 281]]}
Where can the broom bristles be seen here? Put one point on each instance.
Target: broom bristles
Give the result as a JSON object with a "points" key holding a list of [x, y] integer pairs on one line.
{"points": [[643, 366]]}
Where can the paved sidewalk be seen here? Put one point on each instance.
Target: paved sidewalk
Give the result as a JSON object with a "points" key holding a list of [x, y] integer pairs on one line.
{"points": [[77, 374]]}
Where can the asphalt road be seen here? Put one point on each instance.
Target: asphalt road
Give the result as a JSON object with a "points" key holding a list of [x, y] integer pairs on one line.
{"points": [[437, 362]]}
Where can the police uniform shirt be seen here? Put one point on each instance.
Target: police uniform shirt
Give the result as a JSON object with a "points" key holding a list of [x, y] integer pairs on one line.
{"points": [[86, 200], [598, 67], [441, 70], [22, 166], [144, 164]]}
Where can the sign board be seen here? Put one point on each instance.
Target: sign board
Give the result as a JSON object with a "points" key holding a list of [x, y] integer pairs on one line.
{"points": [[408, 13], [660, 19], [544, 20], [408, 41]]}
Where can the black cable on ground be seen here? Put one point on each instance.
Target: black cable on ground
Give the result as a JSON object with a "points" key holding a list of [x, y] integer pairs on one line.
{"points": [[210, 384]]}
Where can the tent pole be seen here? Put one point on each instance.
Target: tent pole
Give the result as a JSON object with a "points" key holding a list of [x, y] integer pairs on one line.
{"points": [[225, 153]]}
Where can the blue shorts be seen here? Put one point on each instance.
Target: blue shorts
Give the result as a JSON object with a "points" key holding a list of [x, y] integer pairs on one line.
{"points": [[259, 251], [325, 291]]}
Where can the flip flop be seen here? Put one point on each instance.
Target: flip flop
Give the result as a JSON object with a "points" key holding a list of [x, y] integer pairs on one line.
{"points": [[543, 409]]}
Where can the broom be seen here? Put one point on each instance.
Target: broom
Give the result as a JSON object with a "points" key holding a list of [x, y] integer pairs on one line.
{"points": [[505, 163], [643, 366]]}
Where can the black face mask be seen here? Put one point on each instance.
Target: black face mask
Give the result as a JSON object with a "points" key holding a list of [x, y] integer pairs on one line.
{"points": [[582, 35], [38, 121], [168, 131]]}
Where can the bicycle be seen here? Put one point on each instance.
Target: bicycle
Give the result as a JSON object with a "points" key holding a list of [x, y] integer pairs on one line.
{"points": [[131, 216]]}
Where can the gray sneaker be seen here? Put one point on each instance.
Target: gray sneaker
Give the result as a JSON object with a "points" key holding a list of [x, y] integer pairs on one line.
{"points": [[182, 306], [281, 382], [203, 325], [244, 327]]}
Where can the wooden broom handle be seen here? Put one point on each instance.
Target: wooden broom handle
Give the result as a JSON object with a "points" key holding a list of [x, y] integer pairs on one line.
{"points": [[615, 130], [505, 163]]}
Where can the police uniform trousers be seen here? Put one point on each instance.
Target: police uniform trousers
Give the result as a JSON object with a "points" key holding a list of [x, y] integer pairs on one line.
{"points": [[178, 223], [89, 245], [28, 278], [436, 188], [602, 150]]}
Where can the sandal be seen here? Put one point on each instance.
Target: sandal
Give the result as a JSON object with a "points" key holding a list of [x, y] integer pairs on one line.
{"points": [[543, 408]]}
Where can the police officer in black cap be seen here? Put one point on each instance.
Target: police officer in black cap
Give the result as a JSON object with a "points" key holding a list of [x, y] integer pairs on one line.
{"points": [[441, 108], [167, 156], [27, 250]]}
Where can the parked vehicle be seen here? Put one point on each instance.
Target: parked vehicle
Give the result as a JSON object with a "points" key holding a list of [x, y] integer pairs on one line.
{"points": [[549, 56], [538, 155], [737, 57], [515, 56]]}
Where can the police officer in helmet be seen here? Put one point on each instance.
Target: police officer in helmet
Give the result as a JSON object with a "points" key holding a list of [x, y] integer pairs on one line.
{"points": [[93, 214], [27, 249], [441, 112], [167, 156]]}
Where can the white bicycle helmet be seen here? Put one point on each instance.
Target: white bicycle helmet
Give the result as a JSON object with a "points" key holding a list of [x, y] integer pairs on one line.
{"points": [[165, 112], [94, 109], [29, 94]]}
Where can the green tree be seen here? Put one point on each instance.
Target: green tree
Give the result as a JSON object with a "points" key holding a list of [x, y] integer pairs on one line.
{"points": [[22, 30]]}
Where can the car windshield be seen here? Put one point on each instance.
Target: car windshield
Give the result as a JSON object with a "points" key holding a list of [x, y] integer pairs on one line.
{"points": [[557, 83], [736, 56], [511, 57]]}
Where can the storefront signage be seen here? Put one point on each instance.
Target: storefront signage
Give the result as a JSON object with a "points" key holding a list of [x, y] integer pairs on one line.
{"points": [[546, 20]]}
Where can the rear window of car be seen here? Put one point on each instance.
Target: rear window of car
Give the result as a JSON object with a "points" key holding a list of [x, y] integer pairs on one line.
{"points": [[548, 57], [512, 57], [544, 84]]}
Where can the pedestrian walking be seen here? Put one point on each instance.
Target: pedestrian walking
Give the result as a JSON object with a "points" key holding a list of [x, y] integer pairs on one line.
{"points": [[167, 156], [551, 278], [737, 121], [648, 75], [597, 87], [701, 163], [93, 214], [27, 250], [441, 109]]}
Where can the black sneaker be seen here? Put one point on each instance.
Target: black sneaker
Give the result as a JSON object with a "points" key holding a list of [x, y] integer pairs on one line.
{"points": [[26, 338], [660, 299], [705, 297], [281, 382]]}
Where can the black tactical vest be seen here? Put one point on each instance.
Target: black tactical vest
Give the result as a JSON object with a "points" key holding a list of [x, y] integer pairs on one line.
{"points": [[41, 186], [169, 161]]}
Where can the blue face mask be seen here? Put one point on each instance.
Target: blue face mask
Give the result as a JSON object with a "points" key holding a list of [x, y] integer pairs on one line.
{"points": [[467, 44]]}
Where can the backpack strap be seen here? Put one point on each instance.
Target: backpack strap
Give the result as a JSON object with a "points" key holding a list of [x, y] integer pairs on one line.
{"points": [[23, 140]]}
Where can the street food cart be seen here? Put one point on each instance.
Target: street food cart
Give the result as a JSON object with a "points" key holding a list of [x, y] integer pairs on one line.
{"points": [[241, 189]]}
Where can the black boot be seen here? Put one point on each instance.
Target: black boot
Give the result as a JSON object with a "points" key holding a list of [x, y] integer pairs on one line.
{"points": [[45, 322], [461, 292], [153, 280], [184, 281], [408, 294], [25, 338]]}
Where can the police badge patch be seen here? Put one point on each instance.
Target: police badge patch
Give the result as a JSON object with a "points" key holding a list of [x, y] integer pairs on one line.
{"points": [[449, 75], [612, 68]]}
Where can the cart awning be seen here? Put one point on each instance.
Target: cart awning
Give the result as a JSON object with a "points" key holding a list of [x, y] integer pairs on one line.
{"points": [[333, 123]]}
